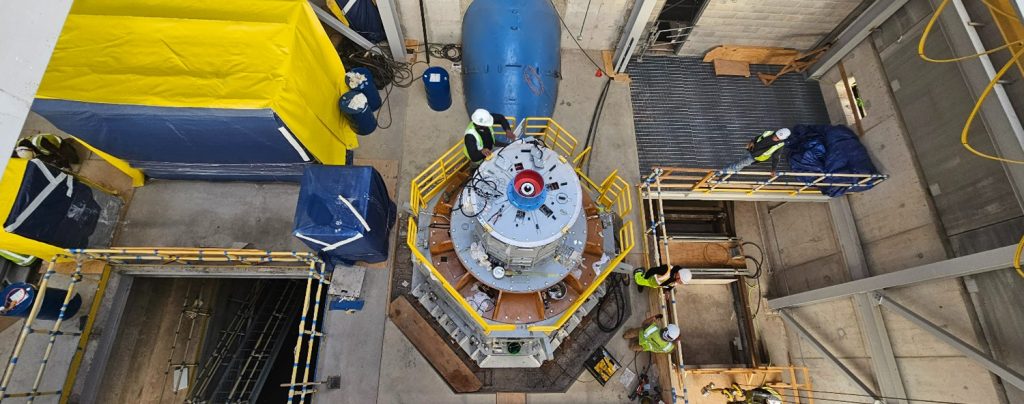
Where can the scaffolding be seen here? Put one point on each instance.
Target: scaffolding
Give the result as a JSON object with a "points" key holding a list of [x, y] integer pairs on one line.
{"points": [[300, 386], [754, 185]]}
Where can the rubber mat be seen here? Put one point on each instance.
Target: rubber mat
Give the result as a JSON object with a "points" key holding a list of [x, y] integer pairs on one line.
{"points": [[685, 116]]}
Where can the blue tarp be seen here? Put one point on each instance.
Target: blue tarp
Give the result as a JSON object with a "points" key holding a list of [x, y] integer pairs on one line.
{"points": [[831, 150], [53, 208], [345, 213], [364, 18], [184, 143]]}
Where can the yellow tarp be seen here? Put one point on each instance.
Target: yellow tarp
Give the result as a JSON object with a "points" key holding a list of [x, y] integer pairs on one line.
{"points": [[10, 184], [251, 54]]}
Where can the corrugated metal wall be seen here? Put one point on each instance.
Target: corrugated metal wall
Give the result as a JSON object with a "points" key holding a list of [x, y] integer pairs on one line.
{"points": [[685, 116]]}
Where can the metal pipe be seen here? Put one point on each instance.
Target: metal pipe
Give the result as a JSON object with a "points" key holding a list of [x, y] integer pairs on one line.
{"points": [[827, 354], [423, 23]]}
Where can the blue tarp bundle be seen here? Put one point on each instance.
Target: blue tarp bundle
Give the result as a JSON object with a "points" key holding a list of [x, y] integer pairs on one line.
{"points": [[364, 17], [831, 150], [345, 213], [54, 208]]}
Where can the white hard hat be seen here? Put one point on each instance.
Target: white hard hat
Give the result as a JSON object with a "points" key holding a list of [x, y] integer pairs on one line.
{"points": [[671, 333], [783, 133], [685, 275], [482, 117]]}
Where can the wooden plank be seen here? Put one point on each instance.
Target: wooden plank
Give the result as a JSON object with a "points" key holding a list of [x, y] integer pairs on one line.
{"points": [[725, 67], [433, 348], [609, 68], [694, 254], [67, 268], [755, 55], [510, 398]]}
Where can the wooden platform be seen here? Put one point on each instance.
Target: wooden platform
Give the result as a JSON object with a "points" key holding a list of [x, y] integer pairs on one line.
{"points": [[433, 348]]}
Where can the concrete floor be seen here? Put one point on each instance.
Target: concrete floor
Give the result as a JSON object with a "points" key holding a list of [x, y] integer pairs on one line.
{"points": [[390, 368]]}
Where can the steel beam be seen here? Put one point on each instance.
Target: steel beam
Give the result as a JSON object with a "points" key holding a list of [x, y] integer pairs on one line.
{"points": [[872, 325], [327, 18], [743, 196], [28, 34], [632, 34], [827, 354], [1000, 258], [998, 368], [854, 34], [393, 29]]}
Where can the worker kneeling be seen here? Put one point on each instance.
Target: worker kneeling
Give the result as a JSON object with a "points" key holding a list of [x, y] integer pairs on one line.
{"points": [[661, 277], [652, 338], [479, 139]]}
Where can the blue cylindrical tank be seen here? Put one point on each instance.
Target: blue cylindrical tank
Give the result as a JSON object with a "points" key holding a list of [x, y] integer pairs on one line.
{"points": [[356, 107], [361, 80], [18, 299], [511, 57], [439, 89]]}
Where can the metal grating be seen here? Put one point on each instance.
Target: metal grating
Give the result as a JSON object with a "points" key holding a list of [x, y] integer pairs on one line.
{"points": [[685, 116]]}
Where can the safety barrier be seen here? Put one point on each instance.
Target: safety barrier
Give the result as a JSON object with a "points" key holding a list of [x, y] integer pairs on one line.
{"points": [[697, 183], [612, 193], [127, 256]]}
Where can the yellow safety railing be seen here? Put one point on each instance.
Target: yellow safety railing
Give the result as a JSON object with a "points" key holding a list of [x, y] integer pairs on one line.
{"points": [[298, 389], [612, 193], [754, 182]]}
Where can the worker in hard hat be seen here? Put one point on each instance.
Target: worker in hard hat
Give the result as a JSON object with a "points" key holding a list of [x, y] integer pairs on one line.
{"points": [[661, 277], [49, 148], [479, 137], [652, 338], [764, 147]]}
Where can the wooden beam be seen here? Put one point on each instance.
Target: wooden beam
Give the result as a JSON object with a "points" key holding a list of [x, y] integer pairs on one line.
{"points": [[755, 55], [444, 360]]}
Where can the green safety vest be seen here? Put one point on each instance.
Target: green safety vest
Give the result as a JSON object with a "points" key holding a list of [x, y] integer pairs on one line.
{"points": [[19, 259], [651, 282], [768, 153], [650, 340], [471, 130]]}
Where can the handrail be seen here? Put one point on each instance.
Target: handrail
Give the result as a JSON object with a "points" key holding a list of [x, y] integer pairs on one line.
{"points": [[752, 182], [612, 193], [306, 335]]}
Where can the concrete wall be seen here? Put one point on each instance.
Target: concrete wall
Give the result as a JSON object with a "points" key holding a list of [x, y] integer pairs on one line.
{"points": [[603, 26], [898, 228], [784, 23]]}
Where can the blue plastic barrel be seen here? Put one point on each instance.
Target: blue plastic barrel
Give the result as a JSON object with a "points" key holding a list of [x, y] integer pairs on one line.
{"points": [[439, 88], [53, 299], [356, 107], [511, 57], [363, 82]]}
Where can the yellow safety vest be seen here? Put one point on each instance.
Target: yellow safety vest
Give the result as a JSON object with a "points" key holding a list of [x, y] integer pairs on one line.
{"points": [[768, 153], [638, 276], [650, 340], [471, 130]]}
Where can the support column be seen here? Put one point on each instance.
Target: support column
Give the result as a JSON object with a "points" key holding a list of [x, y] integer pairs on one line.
{"points": [[632, 33], [872, 325]]}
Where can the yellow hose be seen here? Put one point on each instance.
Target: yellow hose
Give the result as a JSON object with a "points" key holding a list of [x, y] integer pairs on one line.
{"points": [[991, 85], [928, 31], [1016, 258]]}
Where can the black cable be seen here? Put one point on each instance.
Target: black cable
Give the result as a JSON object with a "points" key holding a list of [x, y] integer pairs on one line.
{"points": [[569, 31], [450, 52], [423, 22], [614, 293], [595, 121]]}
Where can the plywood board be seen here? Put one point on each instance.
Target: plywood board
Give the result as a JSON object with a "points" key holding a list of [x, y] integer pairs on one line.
{"points": [[433, 348], [755, 55], [510, 398], [725, 67], [692, 254]]}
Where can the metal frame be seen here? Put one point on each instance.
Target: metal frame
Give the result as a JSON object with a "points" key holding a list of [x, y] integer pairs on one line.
{"points": [[335, 24], [723, 185], [828, 354], [393, 29], [855, 33], [1000, 258], [1005, 373], [872, 325], [632, 34]]}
